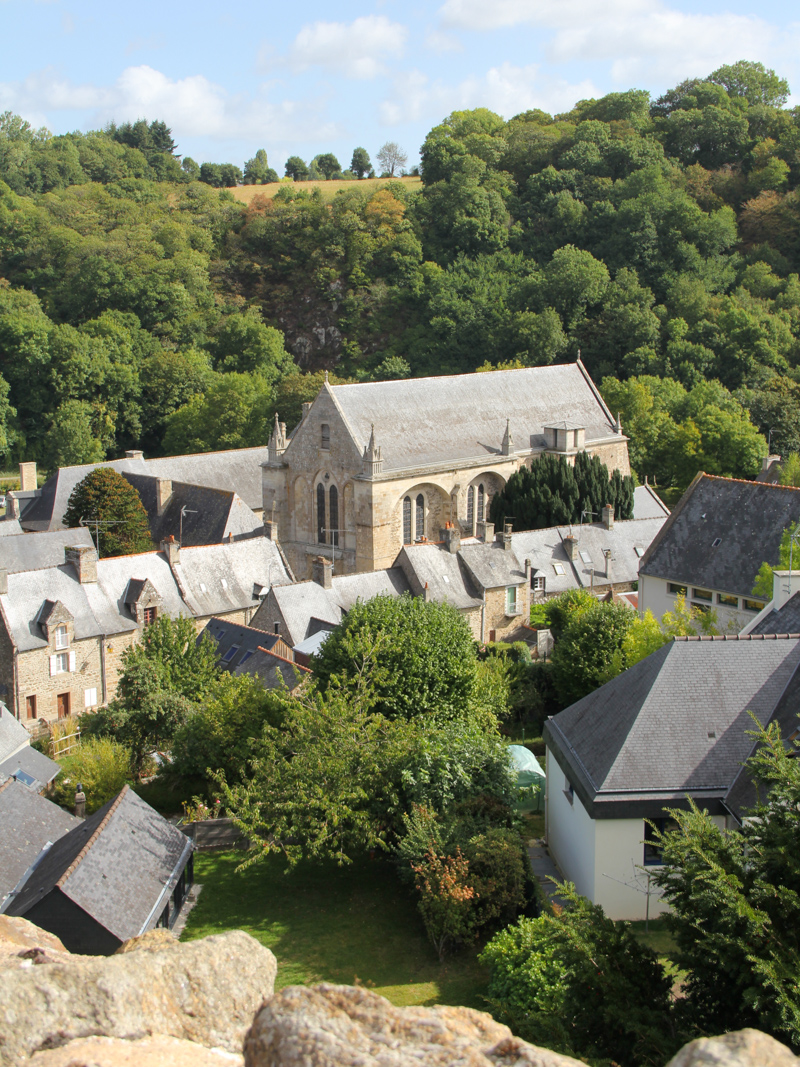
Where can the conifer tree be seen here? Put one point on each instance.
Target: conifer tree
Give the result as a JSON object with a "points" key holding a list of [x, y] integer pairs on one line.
{"points": [[111, 507]]}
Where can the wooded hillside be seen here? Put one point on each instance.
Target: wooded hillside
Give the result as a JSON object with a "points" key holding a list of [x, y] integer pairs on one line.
{"points": [[658, 238]]}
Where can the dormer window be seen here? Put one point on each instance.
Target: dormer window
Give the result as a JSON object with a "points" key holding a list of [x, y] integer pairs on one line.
{"points": [[149, 616], [325, 441], [62, 637]]}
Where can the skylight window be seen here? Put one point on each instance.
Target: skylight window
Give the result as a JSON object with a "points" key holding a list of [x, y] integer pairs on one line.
{"points": [[559, 568], [585, 556], [638, 550], [716, 542], [230, 653], [24, 777]]}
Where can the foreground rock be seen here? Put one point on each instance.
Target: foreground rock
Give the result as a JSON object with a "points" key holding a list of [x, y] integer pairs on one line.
{"points": [[743, 1048], [157, 1051], [21, 940], [203, 991], [341, 1026]]}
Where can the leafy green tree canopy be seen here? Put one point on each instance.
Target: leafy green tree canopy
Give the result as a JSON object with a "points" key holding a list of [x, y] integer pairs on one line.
{"points": [[122, 525], [360, 163], [296, 169], [419, 657]]}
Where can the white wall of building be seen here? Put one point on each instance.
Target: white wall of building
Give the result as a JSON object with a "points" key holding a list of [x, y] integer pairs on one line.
{"points": [[655, 596], [570, 831]]}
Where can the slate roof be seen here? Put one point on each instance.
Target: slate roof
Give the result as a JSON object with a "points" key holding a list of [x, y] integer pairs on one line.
{"points": [[628, 540], [31, 767], [236, 470], [306, 607], [212, 515], [677, 722], [746, 518], [10, 527], [209, 580], [32, 551], [13, 735], [118, 866], [447, 580], [647, 504], [312, 644], [28, 822], [274, 672], [245, 639], [785, 620], [428, 421]]}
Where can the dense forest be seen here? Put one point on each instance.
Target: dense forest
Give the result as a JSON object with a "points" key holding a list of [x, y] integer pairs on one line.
{"points": [[658, 239]]}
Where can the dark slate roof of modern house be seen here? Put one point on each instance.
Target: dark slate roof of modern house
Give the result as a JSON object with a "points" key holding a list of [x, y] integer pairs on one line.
{"points": [[647, 504], [244, 639], [274, 672], [32, 551], [720, 533], [118, 866], [677, 722], [211, 515], [786, 620], [31, 767], [237, 470], [461, 417], [29, 822]]}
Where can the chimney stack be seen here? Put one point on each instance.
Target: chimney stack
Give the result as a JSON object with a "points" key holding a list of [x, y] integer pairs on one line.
{"points": [[322, 572], [134, 453], [12, 506], [172, 550], [3, 580], [451, 536], [485, 530], [80, 802], [608, 517], [163, 493], [528, 569], [307, 407], [505, 536], [784, 585], [84, 559], [27, 477], [570, 544]]}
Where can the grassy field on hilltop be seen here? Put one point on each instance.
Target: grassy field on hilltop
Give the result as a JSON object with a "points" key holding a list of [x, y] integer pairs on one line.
{"points": [[351, 925], [245, 193]]}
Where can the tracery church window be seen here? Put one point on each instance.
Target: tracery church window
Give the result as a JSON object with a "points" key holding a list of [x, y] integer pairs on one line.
{"points": [[407, 538], [321, 514], [333, 508], [481, 503], [419, 526]]}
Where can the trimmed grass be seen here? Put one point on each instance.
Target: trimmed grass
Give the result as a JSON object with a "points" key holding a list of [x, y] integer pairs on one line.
{"points": [[352, 925], [658, 938], [245, 193]]}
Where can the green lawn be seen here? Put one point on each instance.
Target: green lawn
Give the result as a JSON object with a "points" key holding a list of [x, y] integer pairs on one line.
{"points": [[348, 925]]}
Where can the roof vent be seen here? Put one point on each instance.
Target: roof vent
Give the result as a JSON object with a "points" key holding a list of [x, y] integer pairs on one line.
{"points": [[716, 542], [712, 734]]}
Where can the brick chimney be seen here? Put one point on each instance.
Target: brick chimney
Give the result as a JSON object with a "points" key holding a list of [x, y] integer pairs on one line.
{"points": [[84, 559], [570, 544], [27, 477], [451, 536], [505, 537], [163, 493], [322, 572], [172, 550], [608, 517], [134, 453], [485, 530]]}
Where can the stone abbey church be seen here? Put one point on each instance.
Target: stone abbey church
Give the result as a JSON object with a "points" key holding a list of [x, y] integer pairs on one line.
{"points": [[373, 467]]}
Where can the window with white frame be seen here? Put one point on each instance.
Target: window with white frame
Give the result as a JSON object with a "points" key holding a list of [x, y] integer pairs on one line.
{"points": [[90, 698], [62, 663], [538, 583], [62, 637]]}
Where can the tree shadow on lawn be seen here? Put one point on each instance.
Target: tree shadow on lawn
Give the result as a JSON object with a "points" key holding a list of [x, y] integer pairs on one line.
{"points": [[349, 925]]}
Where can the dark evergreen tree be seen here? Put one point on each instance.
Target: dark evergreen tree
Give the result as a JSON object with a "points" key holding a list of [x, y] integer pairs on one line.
{"points": [[553, 493], [108, 499]]}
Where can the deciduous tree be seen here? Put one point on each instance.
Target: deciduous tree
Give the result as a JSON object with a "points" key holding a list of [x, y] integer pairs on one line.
{"points": [[391, 156]]}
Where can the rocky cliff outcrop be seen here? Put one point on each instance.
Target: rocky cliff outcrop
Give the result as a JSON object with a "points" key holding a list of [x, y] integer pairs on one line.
{"points": [[158, 1003]]}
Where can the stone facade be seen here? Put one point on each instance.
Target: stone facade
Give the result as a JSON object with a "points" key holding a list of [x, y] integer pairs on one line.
{"points": [[327, 493]]}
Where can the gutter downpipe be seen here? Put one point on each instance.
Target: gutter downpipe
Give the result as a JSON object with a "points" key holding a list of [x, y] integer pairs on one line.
{"points": [[103, 667], [483, 617], [170, 884], [17, 709]]}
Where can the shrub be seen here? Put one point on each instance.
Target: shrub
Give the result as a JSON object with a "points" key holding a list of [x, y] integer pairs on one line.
{"points": [[101, 765]]}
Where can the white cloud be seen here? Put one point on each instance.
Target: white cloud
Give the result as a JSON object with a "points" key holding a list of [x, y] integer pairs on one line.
{"points": [[192, 106], [506, 89], [353, 49], [642, 39], [437, 41]]}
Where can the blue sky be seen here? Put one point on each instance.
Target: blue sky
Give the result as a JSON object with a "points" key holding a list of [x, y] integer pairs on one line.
{"points": [[298, 79]]}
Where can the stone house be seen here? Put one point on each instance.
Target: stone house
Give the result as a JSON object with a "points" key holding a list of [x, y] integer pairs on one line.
{"points": [[711, 547], [376, 466], [64, 629]]}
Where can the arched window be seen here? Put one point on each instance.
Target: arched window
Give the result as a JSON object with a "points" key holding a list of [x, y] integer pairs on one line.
{"points": [[481, 503], [326, 436], [470, 506], [419, 526], [321, 514], [407, 520], [333, 507]]}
